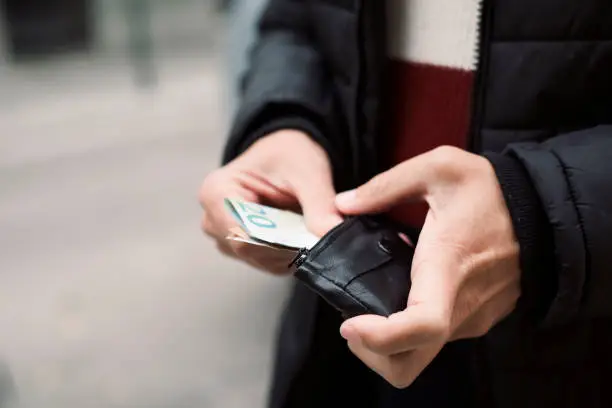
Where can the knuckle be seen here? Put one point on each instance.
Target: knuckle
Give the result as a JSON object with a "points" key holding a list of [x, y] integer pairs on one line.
{"points": [[208, 186], [374, 188], [445, 152], [207, 182], [206, 226], [443, 157], [398, 376], [376, 340], [438, 325]]}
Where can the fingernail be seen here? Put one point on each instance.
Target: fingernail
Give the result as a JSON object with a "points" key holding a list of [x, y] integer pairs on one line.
{"points": [[348, 332], [346, 199], [405, 238]]}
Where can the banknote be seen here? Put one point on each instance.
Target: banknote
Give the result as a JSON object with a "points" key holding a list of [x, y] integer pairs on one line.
{"points": [[238, 234], [270, 226]]}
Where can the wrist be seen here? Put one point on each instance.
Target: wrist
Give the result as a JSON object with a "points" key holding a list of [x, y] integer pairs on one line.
{"points": [[282, 138], [290, 143], [288, 125]]}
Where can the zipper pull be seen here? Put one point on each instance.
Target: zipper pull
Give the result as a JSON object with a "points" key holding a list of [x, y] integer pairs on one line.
{"points": [[300, 257]]}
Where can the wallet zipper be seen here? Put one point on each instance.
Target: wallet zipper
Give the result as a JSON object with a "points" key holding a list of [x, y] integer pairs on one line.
{"points": [[300, 257]]}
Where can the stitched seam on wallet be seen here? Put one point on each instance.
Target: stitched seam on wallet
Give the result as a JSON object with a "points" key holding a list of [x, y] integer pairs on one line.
{"points": [[372, 269], [343, 290]]}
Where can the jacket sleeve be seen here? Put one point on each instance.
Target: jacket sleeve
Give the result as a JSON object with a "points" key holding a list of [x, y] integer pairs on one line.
{"points": [[287, 85], [559, 194]]}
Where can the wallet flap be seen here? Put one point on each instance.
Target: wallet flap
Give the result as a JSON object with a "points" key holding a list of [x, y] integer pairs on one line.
{"points": [[362, 266]]}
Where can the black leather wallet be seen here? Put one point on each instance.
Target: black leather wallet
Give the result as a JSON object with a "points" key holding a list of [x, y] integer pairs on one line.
{"points": [[360, 267]]}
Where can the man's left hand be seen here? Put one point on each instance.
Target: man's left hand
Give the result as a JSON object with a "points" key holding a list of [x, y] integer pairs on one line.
{"points": [[465, 272]]}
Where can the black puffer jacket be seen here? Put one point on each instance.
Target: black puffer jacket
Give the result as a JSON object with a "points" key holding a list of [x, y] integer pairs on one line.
{"points": [[542, 114]]}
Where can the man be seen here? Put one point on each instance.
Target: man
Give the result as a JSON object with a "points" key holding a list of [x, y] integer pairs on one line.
{"points": [[493, 113]]}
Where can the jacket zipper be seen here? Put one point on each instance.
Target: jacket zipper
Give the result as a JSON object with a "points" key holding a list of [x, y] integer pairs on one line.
{"points": [[482, 66]]}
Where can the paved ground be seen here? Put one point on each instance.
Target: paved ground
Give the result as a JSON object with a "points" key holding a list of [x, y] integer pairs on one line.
{"points": [[109, 295]]}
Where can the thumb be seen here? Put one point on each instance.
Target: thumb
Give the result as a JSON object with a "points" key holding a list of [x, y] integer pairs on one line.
{"points": [[403, 183], [316, 195], [426, 320]]}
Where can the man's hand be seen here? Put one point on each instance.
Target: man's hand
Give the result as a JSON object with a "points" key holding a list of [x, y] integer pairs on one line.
{"points": [[465, 273], [286, 169]]}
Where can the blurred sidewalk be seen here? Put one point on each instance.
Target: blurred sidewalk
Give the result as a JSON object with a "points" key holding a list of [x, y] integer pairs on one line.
{"points": [[109, 294]]}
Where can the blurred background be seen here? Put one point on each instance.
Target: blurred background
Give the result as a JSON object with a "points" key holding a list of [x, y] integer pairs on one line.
{"points": [[111, 114]]}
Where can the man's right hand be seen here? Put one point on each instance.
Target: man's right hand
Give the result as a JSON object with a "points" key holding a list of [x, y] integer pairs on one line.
{"points": [[285, 169]]}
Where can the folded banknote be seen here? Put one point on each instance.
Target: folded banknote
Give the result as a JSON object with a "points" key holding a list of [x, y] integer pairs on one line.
{"points": [[267, 226]]}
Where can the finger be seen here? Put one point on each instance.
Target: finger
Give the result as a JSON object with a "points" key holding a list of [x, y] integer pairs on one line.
{"points": [[316, 194], [217, 221], [225, 249], [426, 320], [273, 192], [399, 333], [399, 370], [270, 260], [403, 183]]}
